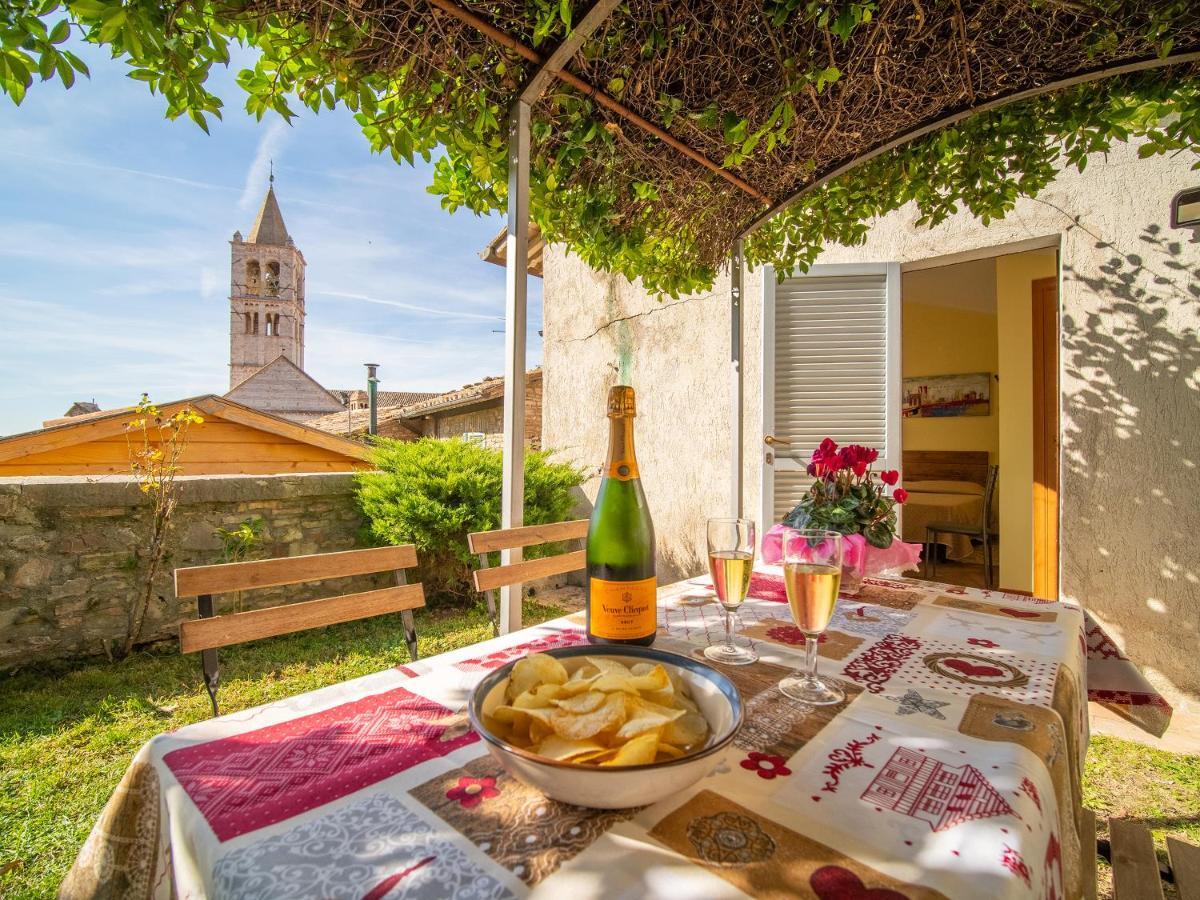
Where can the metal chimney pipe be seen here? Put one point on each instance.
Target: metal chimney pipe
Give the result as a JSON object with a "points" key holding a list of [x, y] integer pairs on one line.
{"points": [[372, 397]]}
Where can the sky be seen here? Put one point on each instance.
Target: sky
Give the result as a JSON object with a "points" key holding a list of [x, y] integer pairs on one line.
{"points": [[114, 253]]}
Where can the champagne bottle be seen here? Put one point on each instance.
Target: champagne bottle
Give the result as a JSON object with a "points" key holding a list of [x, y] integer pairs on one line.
{"points": [[622, 589]]}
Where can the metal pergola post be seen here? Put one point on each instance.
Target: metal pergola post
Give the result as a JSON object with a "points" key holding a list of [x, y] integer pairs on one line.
{"points": [[516, 276], [737, 378]]}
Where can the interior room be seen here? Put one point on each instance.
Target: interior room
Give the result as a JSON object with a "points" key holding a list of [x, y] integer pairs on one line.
{"points": [[969, 370]]}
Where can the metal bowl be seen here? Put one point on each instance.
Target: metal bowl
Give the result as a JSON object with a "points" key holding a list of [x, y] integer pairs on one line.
{"points": [[618, 787]]}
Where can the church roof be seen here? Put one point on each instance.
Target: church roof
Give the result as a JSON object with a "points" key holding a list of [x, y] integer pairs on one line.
{"points": [[268, 227], [283, 388]]}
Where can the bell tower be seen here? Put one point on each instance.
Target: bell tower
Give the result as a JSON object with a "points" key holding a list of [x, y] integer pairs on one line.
{"points": [[266, 295]]}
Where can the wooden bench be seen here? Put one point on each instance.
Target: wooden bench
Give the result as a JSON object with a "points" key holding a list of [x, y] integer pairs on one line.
{"points": [[1136, 872], [488, 578], [210, 631]]}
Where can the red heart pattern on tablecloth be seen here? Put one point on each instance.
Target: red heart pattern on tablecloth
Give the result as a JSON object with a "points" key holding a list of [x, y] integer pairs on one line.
{"points": [[836, 883], [971, 670], [1019, 613]]}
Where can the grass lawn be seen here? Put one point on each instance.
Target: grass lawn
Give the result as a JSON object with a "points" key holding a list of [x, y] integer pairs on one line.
{"points": [[67, 733]]}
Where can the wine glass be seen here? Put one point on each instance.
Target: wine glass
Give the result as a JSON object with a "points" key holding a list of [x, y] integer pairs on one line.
{"points": [[812, 574], [730, 560]]}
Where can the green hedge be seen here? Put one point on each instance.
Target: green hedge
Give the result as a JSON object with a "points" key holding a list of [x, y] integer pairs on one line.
{"points": [[433, 493]]}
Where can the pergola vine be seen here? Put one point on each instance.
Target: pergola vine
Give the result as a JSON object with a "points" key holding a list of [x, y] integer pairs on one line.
{"points": [[675, 127]]}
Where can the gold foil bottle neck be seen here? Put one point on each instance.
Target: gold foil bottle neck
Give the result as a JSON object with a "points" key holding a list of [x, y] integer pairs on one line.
{"points": [[621, 403]]}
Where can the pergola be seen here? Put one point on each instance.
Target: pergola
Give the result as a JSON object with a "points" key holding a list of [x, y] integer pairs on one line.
{"points": [[662, 76]]}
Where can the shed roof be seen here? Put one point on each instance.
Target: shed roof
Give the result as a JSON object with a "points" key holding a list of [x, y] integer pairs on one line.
{"points": [[112, 423]]}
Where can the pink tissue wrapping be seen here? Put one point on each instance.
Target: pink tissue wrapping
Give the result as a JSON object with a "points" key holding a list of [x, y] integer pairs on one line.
{"points": [[860, 557]]}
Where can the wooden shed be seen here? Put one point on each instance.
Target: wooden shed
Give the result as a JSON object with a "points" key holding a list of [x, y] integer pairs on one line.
{"points": [[232, 440]]}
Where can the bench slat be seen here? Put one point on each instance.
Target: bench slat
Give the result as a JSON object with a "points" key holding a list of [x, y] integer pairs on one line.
{"points": [[221, 631], [1185, 863], [529, 570], [526, 536], [244, 576], [1135, 867]]}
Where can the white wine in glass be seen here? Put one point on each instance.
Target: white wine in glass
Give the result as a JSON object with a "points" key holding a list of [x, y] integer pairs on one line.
{"points": [[730, 562], [812, 574]]}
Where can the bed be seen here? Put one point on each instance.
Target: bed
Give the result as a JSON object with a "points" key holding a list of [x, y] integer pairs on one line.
{"points": [[944, 486]]}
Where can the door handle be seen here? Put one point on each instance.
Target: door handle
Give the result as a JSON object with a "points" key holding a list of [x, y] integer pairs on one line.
{"points": [[771, 441]]}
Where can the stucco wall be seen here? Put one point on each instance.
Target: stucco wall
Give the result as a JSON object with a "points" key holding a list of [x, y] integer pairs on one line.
{"points": [[69, 550], [1130, 380]]}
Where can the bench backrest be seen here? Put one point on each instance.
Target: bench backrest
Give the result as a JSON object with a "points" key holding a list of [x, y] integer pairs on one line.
{"points": [[234, 628], [484, 542]]}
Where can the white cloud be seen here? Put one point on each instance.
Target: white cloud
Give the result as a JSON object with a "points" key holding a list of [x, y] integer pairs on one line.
{"points": [[444, 313], [269, 145]]}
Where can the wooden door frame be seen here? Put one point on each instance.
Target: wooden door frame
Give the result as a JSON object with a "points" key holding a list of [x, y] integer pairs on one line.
{"points": [[1046, 437]]}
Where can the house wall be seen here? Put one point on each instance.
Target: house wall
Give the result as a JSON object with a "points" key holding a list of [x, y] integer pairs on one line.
{"points": [[69, 553], [1130, 396], [949, 328], [283, 390]]}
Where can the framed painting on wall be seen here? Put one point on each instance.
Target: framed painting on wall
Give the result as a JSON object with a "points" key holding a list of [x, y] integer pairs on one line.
{"points": [[948, 395]]}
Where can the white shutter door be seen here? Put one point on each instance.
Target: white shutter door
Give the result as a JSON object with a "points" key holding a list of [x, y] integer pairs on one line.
{"points": [[831, 369]]}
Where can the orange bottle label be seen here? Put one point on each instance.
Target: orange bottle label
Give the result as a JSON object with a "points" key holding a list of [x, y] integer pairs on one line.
{"points": [[622, 610]]}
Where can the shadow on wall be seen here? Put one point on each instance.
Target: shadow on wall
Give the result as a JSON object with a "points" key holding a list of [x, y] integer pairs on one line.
{"points": [[1131, 453]]}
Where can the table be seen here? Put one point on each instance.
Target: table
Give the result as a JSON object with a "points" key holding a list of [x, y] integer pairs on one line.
{"points": [[923, 508], [952, 770]]}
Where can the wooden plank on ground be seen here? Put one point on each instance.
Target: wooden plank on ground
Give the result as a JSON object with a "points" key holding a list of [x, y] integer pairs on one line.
{"points": [[1135, 867], [1087, 845], [529, 570], [527, 536], [221, 631], [1185, 863], [246, 576]]}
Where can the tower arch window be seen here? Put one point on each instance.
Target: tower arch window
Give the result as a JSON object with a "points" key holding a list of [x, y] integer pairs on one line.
{"points": [[253, 277], [272, 324], [273, 278], [247, 316], [255, 324]]}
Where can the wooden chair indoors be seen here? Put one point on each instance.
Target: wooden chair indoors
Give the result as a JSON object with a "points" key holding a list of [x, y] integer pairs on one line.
{"points": [[211, 631], [488, 578], [980, 531]]}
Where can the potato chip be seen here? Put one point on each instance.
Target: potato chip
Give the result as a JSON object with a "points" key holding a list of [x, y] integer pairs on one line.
{"points": [[578, 727], [532, 670], [554, 747], [687, 731], [637, 752], [538, 697], [603, 713], [582, 703]]}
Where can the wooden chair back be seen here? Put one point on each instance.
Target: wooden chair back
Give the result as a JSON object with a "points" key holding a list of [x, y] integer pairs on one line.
{"points": [[210, 631], [488, 578]]}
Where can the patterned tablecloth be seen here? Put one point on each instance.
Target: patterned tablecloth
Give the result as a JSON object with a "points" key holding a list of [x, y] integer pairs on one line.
{"points": [[952, 770]]}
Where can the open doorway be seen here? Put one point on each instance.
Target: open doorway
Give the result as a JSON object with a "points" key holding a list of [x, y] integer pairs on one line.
{"points": [[979, 363]]}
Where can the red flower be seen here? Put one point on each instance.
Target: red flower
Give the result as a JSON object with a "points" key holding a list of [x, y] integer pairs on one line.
{"points": [[890, 477], [471, 792], [789, 634], [766, 766], [825, 459], [899, 495], [860, 468]]}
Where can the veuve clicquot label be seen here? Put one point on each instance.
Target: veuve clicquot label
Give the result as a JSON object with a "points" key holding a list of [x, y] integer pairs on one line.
{"points": [[622, 590]]}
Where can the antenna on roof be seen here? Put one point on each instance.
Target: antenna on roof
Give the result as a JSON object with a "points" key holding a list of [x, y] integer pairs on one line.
{"points": [[272, 178]]}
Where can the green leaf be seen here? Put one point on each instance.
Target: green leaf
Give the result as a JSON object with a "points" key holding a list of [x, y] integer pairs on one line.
{"points": [[61, 32]]}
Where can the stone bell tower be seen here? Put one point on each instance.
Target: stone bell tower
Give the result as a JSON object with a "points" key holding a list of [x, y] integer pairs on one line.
{"points": [[266, 295]]}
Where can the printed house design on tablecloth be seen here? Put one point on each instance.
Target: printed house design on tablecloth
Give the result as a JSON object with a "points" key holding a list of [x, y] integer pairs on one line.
{"points": [[919, 786]]}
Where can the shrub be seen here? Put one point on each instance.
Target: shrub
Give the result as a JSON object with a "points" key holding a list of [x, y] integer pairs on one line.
{"points": [[433, 492]]}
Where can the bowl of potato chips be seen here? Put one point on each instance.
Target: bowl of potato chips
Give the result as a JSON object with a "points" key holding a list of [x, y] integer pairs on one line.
{"points": [[607, 726]]}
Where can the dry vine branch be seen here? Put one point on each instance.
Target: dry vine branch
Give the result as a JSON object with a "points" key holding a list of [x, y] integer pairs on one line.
{"points": [[156, 444]]}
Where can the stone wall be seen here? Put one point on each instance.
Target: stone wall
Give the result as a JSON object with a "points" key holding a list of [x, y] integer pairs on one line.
{"points": [[1130, 349], [69, 552]]}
